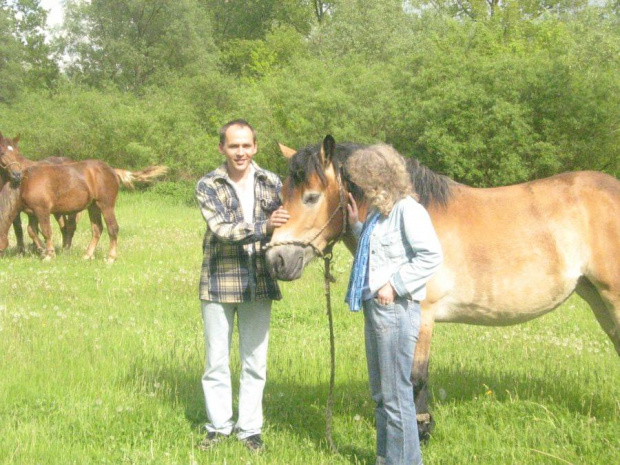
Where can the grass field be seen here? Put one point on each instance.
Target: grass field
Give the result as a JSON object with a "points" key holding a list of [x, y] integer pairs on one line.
{"points": [[102, 364]]}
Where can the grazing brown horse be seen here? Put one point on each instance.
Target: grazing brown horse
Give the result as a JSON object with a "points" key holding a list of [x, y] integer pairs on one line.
{"points": [[511, 253], [68, 188]]}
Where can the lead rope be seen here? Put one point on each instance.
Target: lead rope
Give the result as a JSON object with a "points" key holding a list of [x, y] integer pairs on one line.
{"points": [[332, 352], [328, 279]]}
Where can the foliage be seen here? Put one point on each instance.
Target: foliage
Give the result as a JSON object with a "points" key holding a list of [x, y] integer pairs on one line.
{"points": [[11, 71], [134, 43]]}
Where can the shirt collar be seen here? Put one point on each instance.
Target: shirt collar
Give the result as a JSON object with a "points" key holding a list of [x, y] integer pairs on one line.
{"points": [[222, 173]]}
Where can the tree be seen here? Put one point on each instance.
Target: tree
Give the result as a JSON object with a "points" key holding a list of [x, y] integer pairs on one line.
{"points": [[11, 71], [29, 28], [134, 43]]}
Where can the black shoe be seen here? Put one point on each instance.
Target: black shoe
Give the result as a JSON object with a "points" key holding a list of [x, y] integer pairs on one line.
{"points": [[253, 443], [210, 440]]}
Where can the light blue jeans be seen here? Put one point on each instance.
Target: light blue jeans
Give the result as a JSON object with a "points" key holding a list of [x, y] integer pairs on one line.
{"points": [[253, 326], [391, 334]]}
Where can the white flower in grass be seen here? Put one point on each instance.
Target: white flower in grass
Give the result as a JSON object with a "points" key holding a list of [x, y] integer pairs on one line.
{"points": [[357, 418]]}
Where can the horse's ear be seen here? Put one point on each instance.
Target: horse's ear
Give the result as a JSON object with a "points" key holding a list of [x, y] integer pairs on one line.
{"points": [[1, 136], [286, 151], [327, 150], [16, 139]]}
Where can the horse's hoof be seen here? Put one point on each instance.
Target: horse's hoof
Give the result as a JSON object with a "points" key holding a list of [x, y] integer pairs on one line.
{"points": [[426, 424], [88, 257]]}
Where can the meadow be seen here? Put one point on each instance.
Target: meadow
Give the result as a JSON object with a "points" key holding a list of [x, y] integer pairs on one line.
{"points": [[102, 364]]}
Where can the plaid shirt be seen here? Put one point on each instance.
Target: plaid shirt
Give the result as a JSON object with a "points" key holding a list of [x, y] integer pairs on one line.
{"points": [[228, 267]]}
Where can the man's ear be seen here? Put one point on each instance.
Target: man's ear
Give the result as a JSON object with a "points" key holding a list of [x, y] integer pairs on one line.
{"points": [[287, 151]]}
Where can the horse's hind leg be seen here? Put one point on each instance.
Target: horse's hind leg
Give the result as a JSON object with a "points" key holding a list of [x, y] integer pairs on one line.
{"points": [[112, 225], [606, 307], [96, 226]]}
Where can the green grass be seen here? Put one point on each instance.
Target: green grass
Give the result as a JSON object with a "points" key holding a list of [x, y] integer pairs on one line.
{"points": [[102, 364]]}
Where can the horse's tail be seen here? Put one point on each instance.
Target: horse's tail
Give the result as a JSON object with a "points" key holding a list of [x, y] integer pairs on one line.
{"points": [[127, 178]]}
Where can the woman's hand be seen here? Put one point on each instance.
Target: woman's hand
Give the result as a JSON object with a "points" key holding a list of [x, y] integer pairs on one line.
{"points": [[353, 216], [386, 294]]}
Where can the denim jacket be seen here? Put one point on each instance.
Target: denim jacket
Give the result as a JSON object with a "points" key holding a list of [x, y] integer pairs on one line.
{"points": [[404, 250]]}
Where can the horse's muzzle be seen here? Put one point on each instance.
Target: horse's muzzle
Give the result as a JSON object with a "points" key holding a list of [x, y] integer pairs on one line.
{"points": [[286, 262], [16, 176]]}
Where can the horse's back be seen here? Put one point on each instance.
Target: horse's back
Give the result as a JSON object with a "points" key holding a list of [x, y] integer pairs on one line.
{"points": [[68, 187], [513, 253]]}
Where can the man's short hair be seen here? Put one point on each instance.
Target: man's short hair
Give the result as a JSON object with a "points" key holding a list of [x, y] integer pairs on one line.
{"points": [[236, 122]]}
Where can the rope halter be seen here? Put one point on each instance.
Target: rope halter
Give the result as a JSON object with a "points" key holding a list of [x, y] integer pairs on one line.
{"points": [[342, 205]]}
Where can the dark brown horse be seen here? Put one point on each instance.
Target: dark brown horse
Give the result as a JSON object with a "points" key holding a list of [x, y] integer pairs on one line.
{"points": [[511, 254], [69, 188]]}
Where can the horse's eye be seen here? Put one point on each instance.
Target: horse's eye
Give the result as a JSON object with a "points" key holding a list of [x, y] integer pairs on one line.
{"points": [[310, 198]]}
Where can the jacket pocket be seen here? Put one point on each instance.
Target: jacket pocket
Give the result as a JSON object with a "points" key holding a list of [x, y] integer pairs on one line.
{"points": [[392, 245]]}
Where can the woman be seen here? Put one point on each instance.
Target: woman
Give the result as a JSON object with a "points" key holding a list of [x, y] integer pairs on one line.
{"points": [[397, 253]]}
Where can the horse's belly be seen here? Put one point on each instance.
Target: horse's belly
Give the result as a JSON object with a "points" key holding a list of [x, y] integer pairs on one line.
{"points": [[75, 202], [507, 303]]}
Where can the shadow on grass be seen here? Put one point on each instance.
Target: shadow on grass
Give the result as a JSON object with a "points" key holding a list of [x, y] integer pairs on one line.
{"points": [[299, 408], [558, 389]]}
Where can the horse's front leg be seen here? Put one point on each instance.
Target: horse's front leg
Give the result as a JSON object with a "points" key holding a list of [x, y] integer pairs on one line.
{"points": [[19, 233], [419, 375], [46, 230], [33, 229]]}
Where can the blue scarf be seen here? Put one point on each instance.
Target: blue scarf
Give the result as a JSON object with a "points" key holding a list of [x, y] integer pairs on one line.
{"points": [[360, 265]]}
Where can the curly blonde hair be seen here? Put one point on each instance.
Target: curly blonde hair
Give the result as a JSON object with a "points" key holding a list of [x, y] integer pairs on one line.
{"points": [[381, 172]]}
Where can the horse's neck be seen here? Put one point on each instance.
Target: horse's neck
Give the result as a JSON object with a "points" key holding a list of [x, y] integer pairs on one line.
{"points": [[10, 205], [25, 162]]}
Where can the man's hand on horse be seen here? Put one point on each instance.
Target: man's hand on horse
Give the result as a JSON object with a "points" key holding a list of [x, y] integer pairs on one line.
{"points": [[278, 218]]}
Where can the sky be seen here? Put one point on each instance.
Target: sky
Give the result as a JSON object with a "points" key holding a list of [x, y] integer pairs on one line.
{"points": [[54, 7]]}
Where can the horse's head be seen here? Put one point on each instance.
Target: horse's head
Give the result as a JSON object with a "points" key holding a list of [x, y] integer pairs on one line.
{"points": [[315, 196], [10, 158]]}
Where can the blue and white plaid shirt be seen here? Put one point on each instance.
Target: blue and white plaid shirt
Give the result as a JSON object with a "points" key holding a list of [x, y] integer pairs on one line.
{"points": [[231, 271]]}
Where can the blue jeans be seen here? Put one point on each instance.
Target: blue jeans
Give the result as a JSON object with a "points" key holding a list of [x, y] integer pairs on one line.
{"points": [[253, 326], [391, 334]]}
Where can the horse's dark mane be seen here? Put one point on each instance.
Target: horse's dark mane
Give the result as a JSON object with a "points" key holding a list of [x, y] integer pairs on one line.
{"points": [[431, 188]]}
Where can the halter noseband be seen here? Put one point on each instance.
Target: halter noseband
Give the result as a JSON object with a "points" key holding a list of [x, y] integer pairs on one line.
{"points": [[342, 205], [7, 165]]}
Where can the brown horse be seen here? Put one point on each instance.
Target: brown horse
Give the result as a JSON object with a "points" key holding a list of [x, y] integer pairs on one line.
{"points": [[511, 254], [46, 189], [9, 147]]}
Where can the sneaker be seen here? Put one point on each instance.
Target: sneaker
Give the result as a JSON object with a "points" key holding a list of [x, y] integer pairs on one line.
{"points": [[210, 440], [253, 443]]}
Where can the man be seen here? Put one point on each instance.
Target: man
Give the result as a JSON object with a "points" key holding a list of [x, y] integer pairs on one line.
{"points": [[241, 204]]}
